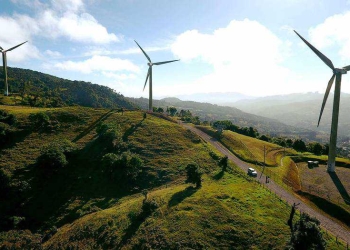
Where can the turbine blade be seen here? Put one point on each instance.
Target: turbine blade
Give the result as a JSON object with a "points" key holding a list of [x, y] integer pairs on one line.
{"points": [[330, 83], [347, 68], [1, 48], [149, 69], [15, 46], [159, 63], [149, 59], [318, 53]]}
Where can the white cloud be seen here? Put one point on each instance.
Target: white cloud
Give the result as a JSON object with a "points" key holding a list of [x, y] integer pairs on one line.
{"points": [[63, 18], [119, 76], [245, 56], [54, 54], [103, 51], [333, 31], [17, 34], [98, 64]]}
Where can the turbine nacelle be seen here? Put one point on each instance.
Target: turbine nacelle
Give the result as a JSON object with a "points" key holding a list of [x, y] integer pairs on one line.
{"points": [[150, 64], [340, 71]]}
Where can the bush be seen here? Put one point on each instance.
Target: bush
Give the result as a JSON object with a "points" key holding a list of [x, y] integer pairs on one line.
{"points": [[194, 175], [149, 206], [223, 163], [7, 118], [307, 234], [111, 133], [54, 155], [39, 120], [125, 165]]}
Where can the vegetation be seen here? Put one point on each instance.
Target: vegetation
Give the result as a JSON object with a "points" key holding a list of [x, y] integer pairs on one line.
{"points": [[41, 90], [194, 175], [307, 234], [84, 168]]}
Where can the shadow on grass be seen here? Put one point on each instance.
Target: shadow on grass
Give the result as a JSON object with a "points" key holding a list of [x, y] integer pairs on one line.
{"points": [[344, 194], [131, 130], [180, 196], [219, 175], [93, 125]]}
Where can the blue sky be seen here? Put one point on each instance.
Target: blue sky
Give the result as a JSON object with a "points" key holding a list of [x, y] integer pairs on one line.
{"points": [[224, 46]]}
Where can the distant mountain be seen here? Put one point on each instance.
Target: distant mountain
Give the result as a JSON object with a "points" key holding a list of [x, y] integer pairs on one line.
{"points": [[300, 110], [39, 89], [211, 112], [216, 97]]}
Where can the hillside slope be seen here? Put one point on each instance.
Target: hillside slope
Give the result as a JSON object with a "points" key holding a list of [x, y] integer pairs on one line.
{"points": [[43, 90], [86, 204], [210, 112]]}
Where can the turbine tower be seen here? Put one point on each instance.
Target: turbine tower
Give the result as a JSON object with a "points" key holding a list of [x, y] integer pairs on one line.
{"points": [[149, 74], [4, 65], [337, 74]]}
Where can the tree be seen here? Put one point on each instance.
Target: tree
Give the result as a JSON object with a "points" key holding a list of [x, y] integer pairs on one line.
{"points": [[125, 165], [172, 111], [160, 110], [307, 234], [223, 163], [315, 148], [194, 175], [299, 145], [264, 138]]}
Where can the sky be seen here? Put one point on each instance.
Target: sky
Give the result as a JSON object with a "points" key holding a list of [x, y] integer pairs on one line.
{"points": [[247, 47]]}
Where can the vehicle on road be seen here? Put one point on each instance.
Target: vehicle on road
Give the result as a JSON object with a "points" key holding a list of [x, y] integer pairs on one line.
{"points": [[252, 172]]}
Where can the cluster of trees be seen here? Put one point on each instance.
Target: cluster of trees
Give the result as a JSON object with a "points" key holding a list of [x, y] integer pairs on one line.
{"points": [[172, 111], [41, 90], [54, 155], [297, 144]]}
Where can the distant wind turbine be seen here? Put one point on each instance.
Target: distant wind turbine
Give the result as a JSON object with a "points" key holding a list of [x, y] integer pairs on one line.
{"points": [[149, 74], [4, 64], [337, 74]]}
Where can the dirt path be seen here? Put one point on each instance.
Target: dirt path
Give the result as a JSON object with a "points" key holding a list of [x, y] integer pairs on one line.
{"points": [[326, 223]]}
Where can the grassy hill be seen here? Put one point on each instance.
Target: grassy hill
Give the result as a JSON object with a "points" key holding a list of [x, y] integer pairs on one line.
{"points": [[88, 204], [42, 90], [212, 112], [229, 212]]}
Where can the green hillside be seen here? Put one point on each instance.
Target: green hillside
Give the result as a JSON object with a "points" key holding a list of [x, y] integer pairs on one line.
{"points": [[73, 177], [212, 112], [42, 90]]}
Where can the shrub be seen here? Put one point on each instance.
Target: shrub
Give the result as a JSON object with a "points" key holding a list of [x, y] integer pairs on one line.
{"points": [[149, 206], [111, 133], [7, 118], [223, 163], [307, 234], [194, 175], [39, 120], [54, 154], [127, 164]]}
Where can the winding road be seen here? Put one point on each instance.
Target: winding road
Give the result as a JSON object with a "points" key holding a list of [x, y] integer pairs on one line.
{"points": [[328, 224]]}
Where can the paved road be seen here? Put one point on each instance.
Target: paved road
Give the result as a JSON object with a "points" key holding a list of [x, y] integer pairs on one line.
{"points": [[326, 223]]}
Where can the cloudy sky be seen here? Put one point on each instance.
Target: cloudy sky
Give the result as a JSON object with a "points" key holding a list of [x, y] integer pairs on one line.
{"points": [[224, 46]]}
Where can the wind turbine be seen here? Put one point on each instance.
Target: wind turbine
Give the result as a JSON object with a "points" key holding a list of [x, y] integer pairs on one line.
{"points": [[337, 74], [4, 64], [149, 74]]}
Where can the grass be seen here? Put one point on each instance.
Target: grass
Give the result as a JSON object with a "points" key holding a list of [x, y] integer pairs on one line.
{"points": [[93, 212], [279, 165], [165, 148], [228, 213]]}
